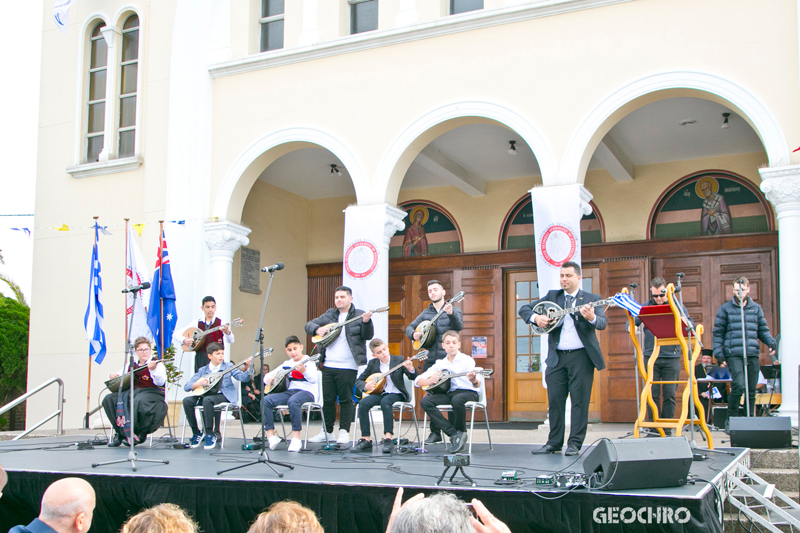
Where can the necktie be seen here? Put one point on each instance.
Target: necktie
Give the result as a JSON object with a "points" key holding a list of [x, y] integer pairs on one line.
{"points": [[570, 300]]}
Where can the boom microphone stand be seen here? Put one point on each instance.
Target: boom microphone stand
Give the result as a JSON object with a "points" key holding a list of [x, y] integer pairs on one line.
{"points": [[744, 351], [263, 456], [129, 350], [692, 412]]}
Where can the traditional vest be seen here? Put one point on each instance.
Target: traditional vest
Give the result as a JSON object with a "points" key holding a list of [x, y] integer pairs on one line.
{"points": [[143, 379], [217, 336]]}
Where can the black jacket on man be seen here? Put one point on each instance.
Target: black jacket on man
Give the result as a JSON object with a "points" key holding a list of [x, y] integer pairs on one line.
{"points": [[358, 332], [667, 352], [444, 323], [586, 331], [374, 367], [728, 330]]}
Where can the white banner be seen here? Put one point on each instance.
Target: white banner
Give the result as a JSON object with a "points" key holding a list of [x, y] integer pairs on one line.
{"points": [[557, 228], [61, 13], [136, 273]]}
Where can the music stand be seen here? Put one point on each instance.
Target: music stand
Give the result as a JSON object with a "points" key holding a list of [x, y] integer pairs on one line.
{"points": [[132, 440], [263, 456]]}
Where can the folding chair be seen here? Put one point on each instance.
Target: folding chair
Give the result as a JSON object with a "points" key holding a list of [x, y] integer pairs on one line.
{"points": [[480, 404], [397, 407], [307, 407]]}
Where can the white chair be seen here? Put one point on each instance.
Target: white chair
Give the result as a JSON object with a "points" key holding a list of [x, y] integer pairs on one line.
{"points": [[307, 407], [480, 404], [398, 407], [224, 408]]}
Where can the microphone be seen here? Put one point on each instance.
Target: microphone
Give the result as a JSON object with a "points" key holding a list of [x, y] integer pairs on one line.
{"points": [[633, 285], [680, 274], [145, 285], [740, 281], [273, 268]]}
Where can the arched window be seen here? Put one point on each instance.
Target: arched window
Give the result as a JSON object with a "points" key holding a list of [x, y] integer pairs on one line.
{"points": [[129, 75], [430, 230], [710, 202], [517, 229], [96, 105]]}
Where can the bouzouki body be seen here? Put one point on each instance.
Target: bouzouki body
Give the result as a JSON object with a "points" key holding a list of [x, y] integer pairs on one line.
{"points": [[427, 328], [443, 385], [198, 336], [556, 314], [215, 379], [123, 382], [334, 328], [380, 378], [279, 382]]}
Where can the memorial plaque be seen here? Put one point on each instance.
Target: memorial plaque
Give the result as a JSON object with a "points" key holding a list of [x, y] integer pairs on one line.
{"points": [[250, 271]]}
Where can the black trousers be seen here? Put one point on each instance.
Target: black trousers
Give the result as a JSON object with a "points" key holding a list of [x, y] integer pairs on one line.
{"points": [[736, 366], [572, 376], [458, 418], [210, 417], [151, 409], [200, 360], [338, 383], [665, 369], [385, 401]]}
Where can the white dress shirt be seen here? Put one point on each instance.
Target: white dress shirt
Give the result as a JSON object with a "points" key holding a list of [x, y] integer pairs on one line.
{"points": [[569, 339], [390, 387], [461, 363]]}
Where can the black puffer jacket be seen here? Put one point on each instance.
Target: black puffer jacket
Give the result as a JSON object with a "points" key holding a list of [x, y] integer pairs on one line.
{"points": [[728, 330], [444, 324], [358, 332]]}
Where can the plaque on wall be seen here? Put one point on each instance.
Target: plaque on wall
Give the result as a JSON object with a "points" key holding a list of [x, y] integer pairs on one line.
{"points": [[250, 271]]}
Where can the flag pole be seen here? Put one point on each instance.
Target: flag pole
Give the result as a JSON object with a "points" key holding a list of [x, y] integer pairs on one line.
{"points": [[160, 278], [89, 377], [125, 282]]}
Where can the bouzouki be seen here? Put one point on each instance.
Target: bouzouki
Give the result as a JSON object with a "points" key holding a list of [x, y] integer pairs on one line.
{"points": [[427, 328], [199, 337], [123, 382], [443, 385], [279, 381], [556, 314], [380, 379], [323, 341], [215, 379]]}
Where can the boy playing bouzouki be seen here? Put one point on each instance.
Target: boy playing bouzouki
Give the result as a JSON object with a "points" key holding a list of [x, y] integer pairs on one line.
{"points": [[222, 336]]}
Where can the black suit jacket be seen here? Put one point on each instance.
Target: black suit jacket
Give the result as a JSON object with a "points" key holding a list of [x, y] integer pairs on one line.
{"points": [[374, 367], [586, 331]]}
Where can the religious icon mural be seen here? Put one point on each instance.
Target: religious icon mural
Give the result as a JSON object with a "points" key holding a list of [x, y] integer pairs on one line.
{"points": [[430, 230], [517, 231], [711, 203]]}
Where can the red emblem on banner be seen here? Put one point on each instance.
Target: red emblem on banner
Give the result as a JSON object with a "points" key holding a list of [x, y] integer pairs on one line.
{"points": [[361, 259], [558, 245]]}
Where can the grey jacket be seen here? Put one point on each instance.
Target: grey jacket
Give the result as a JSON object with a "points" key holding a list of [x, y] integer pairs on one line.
{"points": [[358, 332], [728, 330]]}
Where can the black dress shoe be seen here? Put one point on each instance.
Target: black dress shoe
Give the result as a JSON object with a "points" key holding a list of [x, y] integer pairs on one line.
{"points": [[363, 445], [434, 437], [545, 449], [387, 446], [572, 450], [115, 442], [458, 442]]}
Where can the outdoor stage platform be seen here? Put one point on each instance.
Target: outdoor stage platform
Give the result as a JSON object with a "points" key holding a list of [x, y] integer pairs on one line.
{"points": [[350, 492]]}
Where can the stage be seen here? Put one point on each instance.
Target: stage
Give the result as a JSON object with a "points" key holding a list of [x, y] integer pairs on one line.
{"points": [[350, 492]]}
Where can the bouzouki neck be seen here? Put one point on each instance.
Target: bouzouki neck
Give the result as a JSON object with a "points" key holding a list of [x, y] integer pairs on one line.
{"points": [[570, 310]]}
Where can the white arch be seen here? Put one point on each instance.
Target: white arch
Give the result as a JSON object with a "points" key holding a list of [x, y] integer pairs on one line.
{"points": [[289, 135], [576, 159], [529, 133]]}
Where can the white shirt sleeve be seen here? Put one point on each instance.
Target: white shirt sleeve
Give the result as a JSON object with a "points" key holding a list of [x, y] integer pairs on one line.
{"points": [[159, 375], [228, 338], [311, 371]]}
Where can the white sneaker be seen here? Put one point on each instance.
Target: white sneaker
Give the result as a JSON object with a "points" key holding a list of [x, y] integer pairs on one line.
{"points": [[273, 441], [321, 437], [344, 437], [295, 445]]}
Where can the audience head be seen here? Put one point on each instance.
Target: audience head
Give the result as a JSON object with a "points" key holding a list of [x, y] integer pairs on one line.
{"points": [[164, 518], [286, 517], [68, 505], [440, 513], [3, 480]]}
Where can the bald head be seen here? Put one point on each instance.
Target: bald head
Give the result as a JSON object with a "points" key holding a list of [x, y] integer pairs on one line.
{"points": [[3, 480], [67, 505]]}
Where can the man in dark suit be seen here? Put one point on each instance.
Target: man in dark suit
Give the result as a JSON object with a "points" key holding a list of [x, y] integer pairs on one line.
{"points": [[393, 391], [573, 354]]}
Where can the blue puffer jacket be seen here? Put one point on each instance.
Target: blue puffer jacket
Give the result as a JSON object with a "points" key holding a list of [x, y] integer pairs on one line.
{"points": [[728, 330]]}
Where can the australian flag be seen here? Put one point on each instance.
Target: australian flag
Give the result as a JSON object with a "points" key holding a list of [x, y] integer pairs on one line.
{"points": [[162, 315], [93, 320]]}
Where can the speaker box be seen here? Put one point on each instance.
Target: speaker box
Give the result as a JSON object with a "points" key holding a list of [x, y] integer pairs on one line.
{"points": [[621, 464], [761, 432], [720, 416]]}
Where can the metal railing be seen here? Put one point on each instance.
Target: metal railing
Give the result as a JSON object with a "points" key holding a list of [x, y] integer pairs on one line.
{"points": [[58, 413]]}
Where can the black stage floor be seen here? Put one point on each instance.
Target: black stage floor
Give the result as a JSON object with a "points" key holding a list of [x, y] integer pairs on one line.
{"points": [[350, 492]]}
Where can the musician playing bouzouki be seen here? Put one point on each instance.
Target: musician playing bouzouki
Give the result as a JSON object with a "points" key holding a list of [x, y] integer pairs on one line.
{"points": [[226, 393], [148, 398], [222, 336], [450, 320], [462, 390], [301, 388], [341, 360], [393, 391]]}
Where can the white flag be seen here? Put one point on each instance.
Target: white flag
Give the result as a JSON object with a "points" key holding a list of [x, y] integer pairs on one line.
{"points": [[61, 13], [136, 273]]}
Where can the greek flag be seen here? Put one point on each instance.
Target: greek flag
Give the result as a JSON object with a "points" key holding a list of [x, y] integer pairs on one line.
{"points": [[625, 301], [61, 14], [93, 320]]}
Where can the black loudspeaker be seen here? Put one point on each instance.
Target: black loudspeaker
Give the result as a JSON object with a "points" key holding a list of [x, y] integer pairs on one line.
{"points": [[720, 416], [639, 463], [761, 432]]}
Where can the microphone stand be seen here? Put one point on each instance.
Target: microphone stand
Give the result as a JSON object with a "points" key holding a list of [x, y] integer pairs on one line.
{"points": [[635, 353], [132, 440], [692, 412], [744, 352], [263, 456]]}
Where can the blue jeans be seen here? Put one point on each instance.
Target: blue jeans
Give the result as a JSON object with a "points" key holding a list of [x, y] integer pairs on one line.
{"points": [[294, 398]]}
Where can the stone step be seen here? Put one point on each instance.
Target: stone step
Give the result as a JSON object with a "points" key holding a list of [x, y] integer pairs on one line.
{"points": [[784, 479], [787, 458], [731, 524]]}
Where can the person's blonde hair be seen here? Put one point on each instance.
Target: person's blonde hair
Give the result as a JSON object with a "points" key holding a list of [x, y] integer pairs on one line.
{"points": [[285, 517], [163, 518]]}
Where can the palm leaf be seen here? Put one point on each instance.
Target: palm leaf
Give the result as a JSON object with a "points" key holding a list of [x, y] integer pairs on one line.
{"points": [[18, 294]]}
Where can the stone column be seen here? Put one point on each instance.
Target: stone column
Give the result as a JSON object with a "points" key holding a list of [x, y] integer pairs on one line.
{"points": [[223, 239], [781, 185]]}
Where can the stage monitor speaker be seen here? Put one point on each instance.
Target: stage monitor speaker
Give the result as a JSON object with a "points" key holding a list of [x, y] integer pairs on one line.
{"points": [[639, 463], [762, 432]]}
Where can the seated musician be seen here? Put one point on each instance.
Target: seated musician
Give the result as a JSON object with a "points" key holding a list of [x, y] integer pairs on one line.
{"points": [[226, 392], [301, 387], [148, 398], [462, 390], [393, 391], [251, 393]]}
